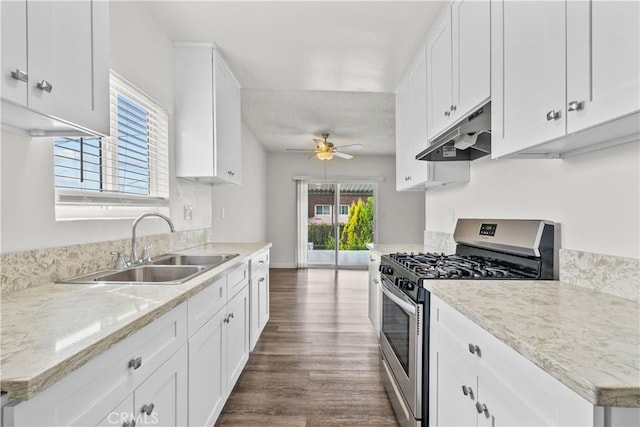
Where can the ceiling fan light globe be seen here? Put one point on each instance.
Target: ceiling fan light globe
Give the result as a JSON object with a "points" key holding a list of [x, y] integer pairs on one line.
{"points": [[325, 155]]}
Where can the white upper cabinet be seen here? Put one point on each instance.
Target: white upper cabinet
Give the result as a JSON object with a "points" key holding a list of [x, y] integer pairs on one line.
{"points": [[55, 62], [411, 135], [458, 63], [440, 75], [208, 122], [471, 47], [603, 41], [564, 76], [528, 74]]}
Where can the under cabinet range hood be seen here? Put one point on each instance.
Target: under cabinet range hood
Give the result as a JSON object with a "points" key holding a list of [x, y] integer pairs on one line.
{"points": [[469, 139]]}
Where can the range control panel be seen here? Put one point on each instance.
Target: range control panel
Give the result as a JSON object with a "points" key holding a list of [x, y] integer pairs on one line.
{"points": [[488, 229]]}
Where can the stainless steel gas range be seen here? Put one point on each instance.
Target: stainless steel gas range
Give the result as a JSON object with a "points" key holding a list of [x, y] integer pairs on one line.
{"points": [[486, 250]]}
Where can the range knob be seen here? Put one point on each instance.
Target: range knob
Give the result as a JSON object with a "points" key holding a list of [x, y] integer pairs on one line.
{"points": [[386, 269], [408, 285]]}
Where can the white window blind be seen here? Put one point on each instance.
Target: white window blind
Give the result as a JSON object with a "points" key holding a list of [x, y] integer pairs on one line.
{"points": [[130, 168]]}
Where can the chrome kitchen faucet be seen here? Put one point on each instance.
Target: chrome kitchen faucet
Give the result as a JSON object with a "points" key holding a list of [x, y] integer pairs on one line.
{"points": [[134, 245]]}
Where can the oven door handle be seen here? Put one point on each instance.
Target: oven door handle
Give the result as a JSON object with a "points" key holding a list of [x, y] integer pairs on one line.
{"points": [[409, 308]]}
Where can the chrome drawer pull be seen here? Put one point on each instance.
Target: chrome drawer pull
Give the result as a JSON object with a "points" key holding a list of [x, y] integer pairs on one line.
{"points": [[135, 363], [20, 75], [148, 409], [45, 86], [576, 105]]}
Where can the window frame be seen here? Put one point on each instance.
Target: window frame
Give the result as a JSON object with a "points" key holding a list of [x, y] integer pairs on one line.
{"points": [[315, 209], [108, 202]]}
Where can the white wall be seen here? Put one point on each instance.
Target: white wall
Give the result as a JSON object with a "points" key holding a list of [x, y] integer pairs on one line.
{"points": [[143, 54], [245, 206], [594, 197], [400, 215]]}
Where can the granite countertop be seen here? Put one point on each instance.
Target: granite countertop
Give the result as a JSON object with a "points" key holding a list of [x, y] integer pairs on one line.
{"points": [[588, 340], [385, 248], [51, 330]]}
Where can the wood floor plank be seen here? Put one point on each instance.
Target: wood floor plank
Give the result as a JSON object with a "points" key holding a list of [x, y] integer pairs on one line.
{"points": [[316, 363]]}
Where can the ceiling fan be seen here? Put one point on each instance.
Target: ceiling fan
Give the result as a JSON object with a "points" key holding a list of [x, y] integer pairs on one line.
{"points": [[325, 150]]}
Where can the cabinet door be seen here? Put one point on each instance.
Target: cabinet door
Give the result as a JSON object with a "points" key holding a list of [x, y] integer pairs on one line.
{"points": [[439, 76], [237, 336], [453, 372], [166, 389], [207, 389], [263, 292], [222, 125], [14, 51], [501, 407], [374, 291], [60, 55], [603, 48], [120, 415], [418, 118], [471, 41], [235, 131], [528, 74], [254, 313], [403, 143]]}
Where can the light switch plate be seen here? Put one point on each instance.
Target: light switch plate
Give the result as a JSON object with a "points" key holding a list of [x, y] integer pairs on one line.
{"points": [[188, 212]]}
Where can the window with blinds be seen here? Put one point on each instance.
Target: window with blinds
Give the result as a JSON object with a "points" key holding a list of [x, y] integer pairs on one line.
{"points": [[128, 169]]}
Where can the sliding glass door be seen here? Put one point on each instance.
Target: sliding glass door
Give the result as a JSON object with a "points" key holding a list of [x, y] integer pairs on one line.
{"points": [[341, 221]]}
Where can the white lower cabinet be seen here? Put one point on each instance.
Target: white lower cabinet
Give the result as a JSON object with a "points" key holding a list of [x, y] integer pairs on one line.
{"points": [[176, 371], [207, 388], [162, 399], [218, 352], [259, 296], [476, 380], [375, 297], [237, 337]]}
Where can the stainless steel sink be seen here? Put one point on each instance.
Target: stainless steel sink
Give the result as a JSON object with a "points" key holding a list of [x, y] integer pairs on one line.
{"points": [[204, 260], [172, 269], [151, 274]]}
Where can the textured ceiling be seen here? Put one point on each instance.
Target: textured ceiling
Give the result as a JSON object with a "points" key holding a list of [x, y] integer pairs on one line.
{"points": [[341, 47], [292, 118]]}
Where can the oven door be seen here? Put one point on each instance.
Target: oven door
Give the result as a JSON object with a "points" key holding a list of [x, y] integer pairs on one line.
{"points": [[401, 344]]}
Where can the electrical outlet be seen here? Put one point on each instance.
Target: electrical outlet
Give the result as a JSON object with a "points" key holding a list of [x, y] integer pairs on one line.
{"points": [[188, 212]]}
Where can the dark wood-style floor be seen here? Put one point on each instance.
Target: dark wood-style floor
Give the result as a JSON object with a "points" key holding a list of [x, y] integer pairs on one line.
{"points": [[316, 363]]}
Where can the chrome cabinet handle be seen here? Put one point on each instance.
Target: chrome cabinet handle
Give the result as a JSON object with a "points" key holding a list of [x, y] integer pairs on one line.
{"points": [[576, 105], [453, 107], [226, 319], [474, 349], [135, 363], [482, 408], [129, 424], [467, 391], [231, 315], [232, 173], [447, 113], [45, 86], [553, 115], [261, 261], [260, 280], [148, 409], [18, 74]]}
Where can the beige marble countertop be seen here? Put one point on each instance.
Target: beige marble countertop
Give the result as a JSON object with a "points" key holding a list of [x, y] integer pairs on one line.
{"points": [[49, 331], [588, 340], [389, 248]]}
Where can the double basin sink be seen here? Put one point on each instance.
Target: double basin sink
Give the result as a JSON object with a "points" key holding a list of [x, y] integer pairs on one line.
{"points": [[172, 269]]}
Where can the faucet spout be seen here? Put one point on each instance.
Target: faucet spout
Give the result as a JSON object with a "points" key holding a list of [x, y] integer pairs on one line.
{"points": [[134, 244]]}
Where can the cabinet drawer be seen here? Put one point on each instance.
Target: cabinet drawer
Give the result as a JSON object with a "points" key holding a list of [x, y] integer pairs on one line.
{"points": [[260, 260], [204, 305], [237, 279], [85, 395]]}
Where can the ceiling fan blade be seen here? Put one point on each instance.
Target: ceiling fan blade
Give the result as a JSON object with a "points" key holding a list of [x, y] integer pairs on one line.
{"points": [[306, 150], [352, 146], [342, 155]]}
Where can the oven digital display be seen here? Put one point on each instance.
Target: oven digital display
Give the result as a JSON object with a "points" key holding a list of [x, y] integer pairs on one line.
{"points": [[488, 229]]}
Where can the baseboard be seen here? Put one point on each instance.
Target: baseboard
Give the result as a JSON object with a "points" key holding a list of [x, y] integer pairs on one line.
{"points": [[281, 265]]}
